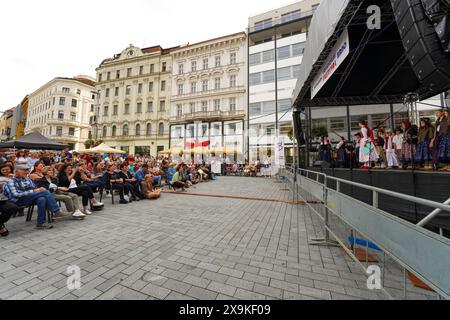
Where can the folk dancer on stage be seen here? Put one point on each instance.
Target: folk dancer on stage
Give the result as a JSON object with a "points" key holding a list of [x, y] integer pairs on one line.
{"points": [[389, 147], [367, 150]]}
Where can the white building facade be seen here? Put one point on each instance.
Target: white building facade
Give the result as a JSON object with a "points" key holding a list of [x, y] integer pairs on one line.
{"points": [[208, 98], [132, 109], [62, 110], [276, 42]]}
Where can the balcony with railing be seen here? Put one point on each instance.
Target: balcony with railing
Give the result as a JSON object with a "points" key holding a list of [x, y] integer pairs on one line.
{"points": [[208, 116], [281, 21], [190, 95]]}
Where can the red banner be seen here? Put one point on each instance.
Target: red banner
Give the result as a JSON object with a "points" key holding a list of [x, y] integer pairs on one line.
{"points": [[193, 144]]}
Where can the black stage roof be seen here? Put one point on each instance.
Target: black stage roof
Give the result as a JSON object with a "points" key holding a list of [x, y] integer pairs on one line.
{"points": [[377, 69]]}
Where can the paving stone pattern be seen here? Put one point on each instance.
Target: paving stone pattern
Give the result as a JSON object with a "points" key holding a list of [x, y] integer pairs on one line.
{"points": [[183, 247]]}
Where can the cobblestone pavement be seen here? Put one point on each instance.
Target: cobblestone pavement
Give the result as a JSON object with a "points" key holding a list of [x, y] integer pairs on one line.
{"points": [[183, 247]]}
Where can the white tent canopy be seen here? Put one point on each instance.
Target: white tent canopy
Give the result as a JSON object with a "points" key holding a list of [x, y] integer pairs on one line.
{"points": [[103, 148]]}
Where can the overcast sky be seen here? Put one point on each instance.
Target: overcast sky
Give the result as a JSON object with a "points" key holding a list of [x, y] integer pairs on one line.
{"points": [[44, 39]]}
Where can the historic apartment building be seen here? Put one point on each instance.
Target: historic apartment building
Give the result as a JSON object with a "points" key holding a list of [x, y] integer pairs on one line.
{"points": [[133, 101], [208, 98], [62, 109]]}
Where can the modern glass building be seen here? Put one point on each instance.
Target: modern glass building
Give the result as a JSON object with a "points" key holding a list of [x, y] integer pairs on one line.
{"points": [[276, 42]]}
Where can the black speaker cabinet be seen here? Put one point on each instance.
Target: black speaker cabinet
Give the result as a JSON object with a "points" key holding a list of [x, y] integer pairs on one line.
{"points": [[430, 62]]}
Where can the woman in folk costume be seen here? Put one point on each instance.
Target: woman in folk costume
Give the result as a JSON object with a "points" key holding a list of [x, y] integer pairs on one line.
{"points": [[425, 135], [341, 153], [389, 147], [367, 151], [325, 150], [409, 144]]}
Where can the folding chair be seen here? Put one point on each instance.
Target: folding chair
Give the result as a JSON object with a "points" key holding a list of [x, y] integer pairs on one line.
{"points": [[30, 214]]}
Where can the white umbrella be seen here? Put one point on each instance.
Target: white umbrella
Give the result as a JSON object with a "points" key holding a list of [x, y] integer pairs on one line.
{"points": [[103, 148]]}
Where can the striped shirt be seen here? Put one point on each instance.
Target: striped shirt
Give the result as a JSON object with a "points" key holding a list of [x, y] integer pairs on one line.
{"points": [[17, 188]]}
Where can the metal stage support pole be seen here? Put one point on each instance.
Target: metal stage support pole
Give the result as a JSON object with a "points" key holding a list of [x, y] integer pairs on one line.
{"points": [[410, 101]]}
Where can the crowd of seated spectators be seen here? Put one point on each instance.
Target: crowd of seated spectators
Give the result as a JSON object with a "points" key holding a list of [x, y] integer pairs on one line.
{"points": [[51, 181]]}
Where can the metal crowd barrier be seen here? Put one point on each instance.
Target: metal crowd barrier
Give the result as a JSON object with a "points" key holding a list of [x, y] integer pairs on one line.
{"points": [[402, 246]]}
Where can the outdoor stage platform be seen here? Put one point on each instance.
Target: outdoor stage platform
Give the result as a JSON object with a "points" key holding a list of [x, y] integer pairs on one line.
{"points": [[433, 186]]}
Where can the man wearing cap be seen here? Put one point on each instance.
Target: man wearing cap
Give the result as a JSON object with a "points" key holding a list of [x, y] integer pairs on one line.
{"points": [[23, 192]]}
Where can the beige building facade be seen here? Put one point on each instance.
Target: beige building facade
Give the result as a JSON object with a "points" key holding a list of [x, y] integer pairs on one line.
{"points": [[133, 100]]}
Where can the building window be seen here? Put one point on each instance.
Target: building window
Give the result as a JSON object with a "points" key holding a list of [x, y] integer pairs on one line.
{"points": [[105, 131], [141, 70], [150, 86], [115, 110], [92, 108], [71, 132], [180, 89], [268, 76], [54, 101], [105, 110], [261, 25], [298, 49], [233, 58], [114, 131], [127, 108], [192, 107], [140, 88], [204, 106], [149, 129], [217, 61], [61, 115], [66, 90], [163, 85], [125, 130], [138, 129], [150, 106], [139, 107], [337, 124], [78, 91], [107, 93], [268, 56], [116, 91], [74, 103], [233, 81], [62, 101], [179, 110], [284, 52], [59, 131], [217, 105], [161, 129], [294, 15], [193, 87], [164, 67], [162, 106], [217, 83], [232, 105], [152, 68], [73, 116], [118, 74], [284, 105], [193, 66], [128, 90], [205, 63], [284, 73], [205, 85], [100, 77], [180, 68]]}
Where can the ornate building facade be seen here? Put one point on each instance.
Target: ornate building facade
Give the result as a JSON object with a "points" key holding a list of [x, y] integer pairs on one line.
{"points": [[133, 99], [208, 100]]}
